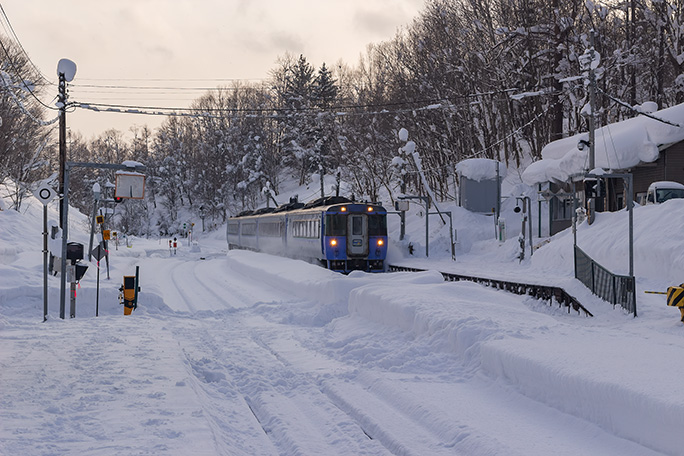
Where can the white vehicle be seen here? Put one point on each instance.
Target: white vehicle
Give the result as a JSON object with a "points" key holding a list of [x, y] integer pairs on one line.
{"points": [[659, 192]]}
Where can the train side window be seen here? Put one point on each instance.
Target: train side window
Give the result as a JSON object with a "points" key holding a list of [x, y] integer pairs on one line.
{"points": [[248, 229], [272, 229], [377, 225], [335, 225]]}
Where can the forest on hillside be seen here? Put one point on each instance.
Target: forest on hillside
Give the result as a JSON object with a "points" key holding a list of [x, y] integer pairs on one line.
{"points": [[467, 78]]}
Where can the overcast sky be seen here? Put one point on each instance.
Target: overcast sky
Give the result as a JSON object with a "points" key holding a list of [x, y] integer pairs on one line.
{"points": [[122, 42]]}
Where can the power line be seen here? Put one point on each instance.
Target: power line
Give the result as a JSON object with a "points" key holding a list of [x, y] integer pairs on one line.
{"points": [[176, 79], [21, 106], [124, 87], [423, 104], [23, 81], [265, 113], [636, 111], [16, 39]]}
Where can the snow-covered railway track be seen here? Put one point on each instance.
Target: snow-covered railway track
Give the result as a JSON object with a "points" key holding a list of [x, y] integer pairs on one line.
{"points": [[368, 400], [280, 374], [285, 402]]}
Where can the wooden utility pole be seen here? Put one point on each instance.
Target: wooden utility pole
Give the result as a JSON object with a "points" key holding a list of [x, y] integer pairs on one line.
{"points": [[62, 143], [592, 106]]}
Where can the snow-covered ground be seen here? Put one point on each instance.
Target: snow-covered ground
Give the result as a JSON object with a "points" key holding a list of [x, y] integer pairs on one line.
{"points": [[240, 353]]}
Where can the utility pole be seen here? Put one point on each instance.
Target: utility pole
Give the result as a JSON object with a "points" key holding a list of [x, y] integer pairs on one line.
{"points": [[592, 105], [62, 141], [66, 71], [402, 214], [321, 170]]}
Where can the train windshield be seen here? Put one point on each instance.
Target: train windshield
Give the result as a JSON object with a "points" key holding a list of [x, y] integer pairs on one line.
{"points": [[377, 225], [357, 225], [335, 225]]}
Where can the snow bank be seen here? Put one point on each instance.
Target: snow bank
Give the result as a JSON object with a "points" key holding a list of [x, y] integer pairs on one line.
{"points": [[657, 246], [489, 330]]}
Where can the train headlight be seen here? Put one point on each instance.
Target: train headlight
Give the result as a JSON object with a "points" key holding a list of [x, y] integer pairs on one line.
{"points": [[333, 242], [370, 209], [381, 242], [343, 209]]}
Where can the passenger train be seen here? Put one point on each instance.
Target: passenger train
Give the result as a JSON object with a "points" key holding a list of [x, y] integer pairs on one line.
{"points": [[339, 234]]}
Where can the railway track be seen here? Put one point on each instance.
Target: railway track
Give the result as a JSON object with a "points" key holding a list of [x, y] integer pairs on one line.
{"points": [[543, 292]]}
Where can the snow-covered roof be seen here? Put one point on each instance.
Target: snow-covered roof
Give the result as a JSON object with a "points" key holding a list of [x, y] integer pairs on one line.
{"points": [[619, 146], [665, 184], [479, 169]]}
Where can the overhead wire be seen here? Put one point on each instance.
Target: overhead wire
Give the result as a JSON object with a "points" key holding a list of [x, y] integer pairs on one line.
{"points": [[636, 111], [16, 39], [23, 81], [384, 108], [21, 106]]}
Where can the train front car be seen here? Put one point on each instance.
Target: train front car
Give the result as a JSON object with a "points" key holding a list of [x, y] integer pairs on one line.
{"points": [[355, 237]]}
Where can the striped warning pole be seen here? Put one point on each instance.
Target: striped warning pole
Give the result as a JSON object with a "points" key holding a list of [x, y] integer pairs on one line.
{"points": [[675, 297]]}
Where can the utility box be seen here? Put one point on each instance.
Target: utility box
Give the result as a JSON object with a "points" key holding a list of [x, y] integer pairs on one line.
{"points": [[74, 252], [480, 184], [401, 205]]}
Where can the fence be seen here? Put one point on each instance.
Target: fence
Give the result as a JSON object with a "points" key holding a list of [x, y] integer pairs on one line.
{"points": [[616, 289], [544, 292]]}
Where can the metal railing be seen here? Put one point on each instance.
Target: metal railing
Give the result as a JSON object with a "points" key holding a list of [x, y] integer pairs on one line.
{"points": [[614, 288], [547, 293]]}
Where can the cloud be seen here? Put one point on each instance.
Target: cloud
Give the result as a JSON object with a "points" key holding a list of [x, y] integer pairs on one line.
{"points": [[273, 42], [379, 23], [161, 53]]}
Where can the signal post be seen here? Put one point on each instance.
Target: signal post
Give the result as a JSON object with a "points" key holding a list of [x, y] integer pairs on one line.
{"points": [[132, 186]]}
